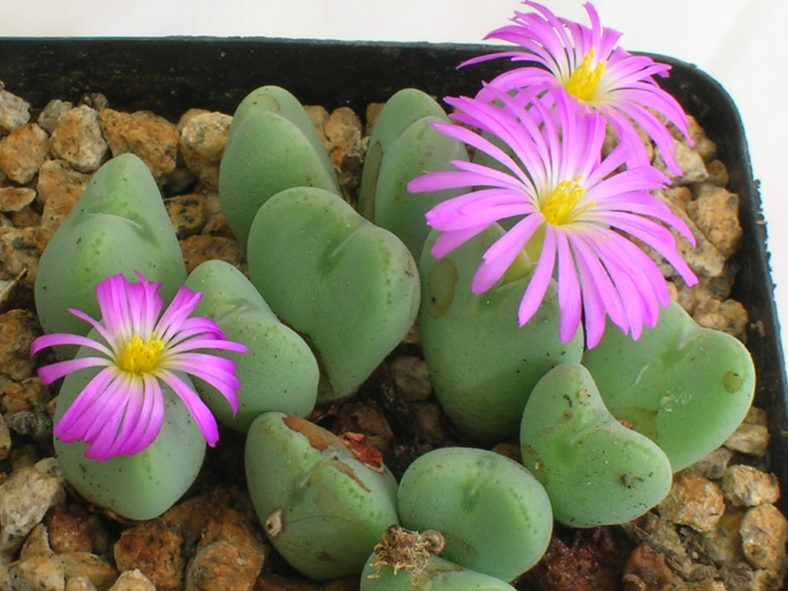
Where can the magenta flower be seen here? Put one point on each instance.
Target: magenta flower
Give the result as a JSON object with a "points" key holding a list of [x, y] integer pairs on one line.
{"points": [[121, 410], [586, 64], [574, 212]]}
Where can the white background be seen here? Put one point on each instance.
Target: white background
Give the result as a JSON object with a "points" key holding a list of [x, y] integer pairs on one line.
{"points": [[739, 42]]}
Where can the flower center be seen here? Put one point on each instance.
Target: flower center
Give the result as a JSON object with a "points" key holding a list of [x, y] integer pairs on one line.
{"points": [[584, 80], [141, 356], [559, 207]]}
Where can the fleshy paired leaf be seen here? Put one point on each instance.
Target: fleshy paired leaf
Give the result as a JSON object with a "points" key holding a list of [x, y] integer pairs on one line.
{"points": [[272, 145], [483, 365], [350, 288], [684, 386], [119, 225], [595, 470], [322, 507], [279, 372]]}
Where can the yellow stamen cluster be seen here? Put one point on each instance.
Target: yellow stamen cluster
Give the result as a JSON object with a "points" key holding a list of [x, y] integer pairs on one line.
{"points": [[560, 207], [585, 80], [141, 356]]}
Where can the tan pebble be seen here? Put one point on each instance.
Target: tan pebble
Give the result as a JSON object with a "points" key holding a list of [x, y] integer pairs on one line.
{"points": [[187, 214], [18, 329], [343, 135], [689, 161], [14, 111], [69, 529], [722, 545], [742, 577], [200, 248], [83, 564], [41, 573], [646, 568], [318, 115], [133, 580], [24, 500], [202, 143], [718, 173], [49, 115], [29, 394], [20, 250], [59, 189], [729, 316], [80, 584], [222, 565], [705, 148], [713, 466], [371, 116], [215, 223], [190, 517], [78, 140], [5, 439], [149, 136], [707, 585], [37, 543], [745, 486], [155, 549], [715, 210], [749, 438], [16, 198], [693, 501], [23, 151], [764, 532]]}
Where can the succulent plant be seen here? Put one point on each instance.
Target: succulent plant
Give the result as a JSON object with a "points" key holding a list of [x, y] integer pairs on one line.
{"points": [[323, 503], [119, 225], [139, 486], [272, 145], [684, 386], [279, 372], [349, 287], [482, 364], [494, 515], [404, 143], [595, 470]]}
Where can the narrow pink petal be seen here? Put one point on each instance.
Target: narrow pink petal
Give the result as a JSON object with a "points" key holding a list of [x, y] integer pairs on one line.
{"points": [[448, 241], [95, 324], [182, 305], [202, 415], [143, 430], [502, 253], [540, 280], [54, 371], [83, 405], [55, 339], [113, 302], [219, 372], [207, 343], [569, 294]]}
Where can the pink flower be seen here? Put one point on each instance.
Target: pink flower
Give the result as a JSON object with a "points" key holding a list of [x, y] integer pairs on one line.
{"points": [[574, 212], [587, 65], [121, 410]]}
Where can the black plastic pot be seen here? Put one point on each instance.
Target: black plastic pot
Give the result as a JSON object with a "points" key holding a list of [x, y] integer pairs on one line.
{"points": [[170, 75]]}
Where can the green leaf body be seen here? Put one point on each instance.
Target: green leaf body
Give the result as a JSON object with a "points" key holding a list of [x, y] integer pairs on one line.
{"points": [[494, 514], [684, 386], [323, 509], [438, 575], [142, 486], [483, 365], [419, 149], [272, 145], [403, 108], [596, 471], [350, 288], [279, 372], [119, 225]]}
